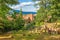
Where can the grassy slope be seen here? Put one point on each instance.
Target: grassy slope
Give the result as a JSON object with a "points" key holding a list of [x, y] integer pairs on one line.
{"points": [[24, 35]]}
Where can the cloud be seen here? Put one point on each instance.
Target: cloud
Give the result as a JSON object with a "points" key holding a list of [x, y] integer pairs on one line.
{"points": [[26, 3], [17, 7]]}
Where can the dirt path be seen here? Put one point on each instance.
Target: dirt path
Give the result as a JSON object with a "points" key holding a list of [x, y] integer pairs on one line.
{"points": [[57, 37], [6, 37]]}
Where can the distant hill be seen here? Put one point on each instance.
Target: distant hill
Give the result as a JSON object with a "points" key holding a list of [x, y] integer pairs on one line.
{"points": [[25, 12]]}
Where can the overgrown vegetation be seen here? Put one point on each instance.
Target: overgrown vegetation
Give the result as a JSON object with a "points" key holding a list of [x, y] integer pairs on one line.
{"points": [[49, 12]]}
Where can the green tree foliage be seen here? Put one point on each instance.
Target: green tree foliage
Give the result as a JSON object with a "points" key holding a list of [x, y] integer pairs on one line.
{"points": [[4, 8], [15, 24], [54, 10], [18, 22], [21, 12], [49, 11]]}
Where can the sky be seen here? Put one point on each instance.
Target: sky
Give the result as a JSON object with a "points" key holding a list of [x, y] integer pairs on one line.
{"points": [[26, 5], [25, 0]]}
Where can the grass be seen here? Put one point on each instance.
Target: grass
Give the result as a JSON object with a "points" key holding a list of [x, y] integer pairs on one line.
{"points": [[25, 35]]}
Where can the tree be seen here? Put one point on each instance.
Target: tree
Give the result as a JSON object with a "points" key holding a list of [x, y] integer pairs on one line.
{"points": [[4, 8], [16, 24], [54, 10], [41, 13], [49, 11]]}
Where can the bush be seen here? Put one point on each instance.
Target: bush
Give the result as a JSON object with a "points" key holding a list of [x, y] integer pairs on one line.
{"points": [[7, 25], [30, 25]]}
